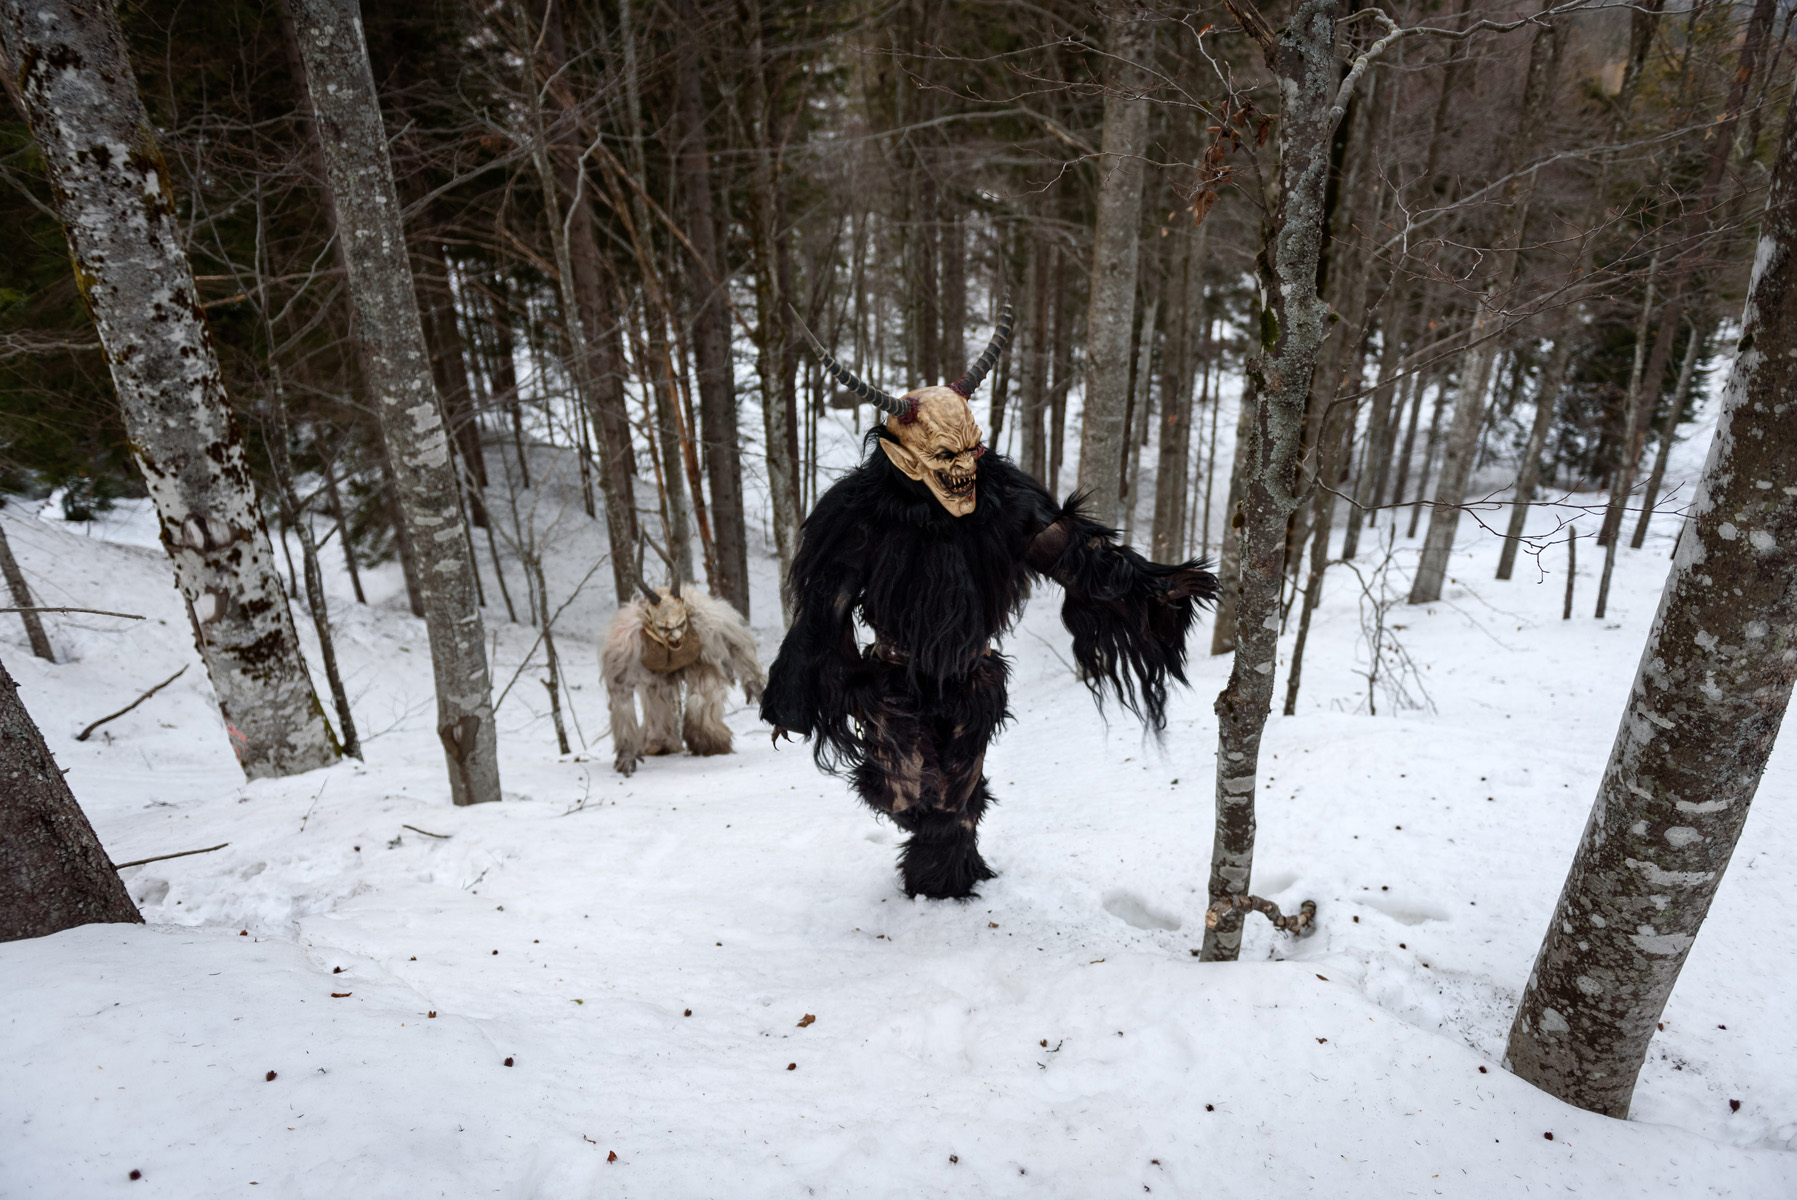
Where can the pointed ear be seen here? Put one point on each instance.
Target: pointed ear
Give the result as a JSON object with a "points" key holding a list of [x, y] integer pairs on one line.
{"points": [[902, 457]]}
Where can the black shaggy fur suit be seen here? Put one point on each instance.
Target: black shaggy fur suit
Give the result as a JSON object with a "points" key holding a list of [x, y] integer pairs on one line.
{"points": [[910, 716]]}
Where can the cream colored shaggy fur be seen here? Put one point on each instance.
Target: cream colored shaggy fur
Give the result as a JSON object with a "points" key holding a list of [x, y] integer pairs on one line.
{"points": [[726, 656]]}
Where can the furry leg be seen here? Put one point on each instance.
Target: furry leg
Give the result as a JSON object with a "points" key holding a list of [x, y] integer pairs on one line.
{"points": [[661, 715], [704, 728], [941, 859], [626, 735]]}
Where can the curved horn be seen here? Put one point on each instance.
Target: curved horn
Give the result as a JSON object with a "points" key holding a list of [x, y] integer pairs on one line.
{"points": [[636, 576], [842, 375], [1001, 337]]}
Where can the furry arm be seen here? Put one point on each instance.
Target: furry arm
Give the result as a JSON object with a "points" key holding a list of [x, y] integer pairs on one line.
{"points": [[1128, 616], [813, 682]]}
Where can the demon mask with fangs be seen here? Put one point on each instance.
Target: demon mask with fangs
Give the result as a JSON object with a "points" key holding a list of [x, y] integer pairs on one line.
{"points": [[933, 437]]}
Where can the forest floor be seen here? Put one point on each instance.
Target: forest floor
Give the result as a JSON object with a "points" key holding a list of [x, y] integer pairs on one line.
{"points": [[370, 993]]}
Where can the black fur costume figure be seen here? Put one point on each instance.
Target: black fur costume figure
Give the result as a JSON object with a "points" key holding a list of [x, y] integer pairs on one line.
{"points": [[933, 543]]}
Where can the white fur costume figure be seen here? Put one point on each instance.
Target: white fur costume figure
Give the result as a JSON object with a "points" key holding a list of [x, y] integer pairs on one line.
{"points": [[655, 645]]}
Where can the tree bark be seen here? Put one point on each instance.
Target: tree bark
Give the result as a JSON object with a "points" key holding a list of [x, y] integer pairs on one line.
{"points": [[1696, 225], [54, 875], [1229, 546], [1032, 402], [281, 461], [772, 335], [21, 598], [1489, 320], [1528, 472], [112, 191], [399, 380], [711, 334], [335, 499], [1292, 330], [1110, 311], [1062, 361], [952, 250], [1703, 714], [1138, 412], [1184, 282], [594, 329], [1668, 427]]}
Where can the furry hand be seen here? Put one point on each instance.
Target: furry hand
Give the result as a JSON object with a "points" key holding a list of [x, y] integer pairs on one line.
{"points": [[1189, 582], [781, 733]]}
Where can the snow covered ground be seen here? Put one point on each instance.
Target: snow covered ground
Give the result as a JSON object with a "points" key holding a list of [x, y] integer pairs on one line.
{"points": [[370, 993]]}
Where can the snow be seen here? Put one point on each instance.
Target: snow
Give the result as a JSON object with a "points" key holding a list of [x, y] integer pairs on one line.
{"points": [[1055, 1037]]}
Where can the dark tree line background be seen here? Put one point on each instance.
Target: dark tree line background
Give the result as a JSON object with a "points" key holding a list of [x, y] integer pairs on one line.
{"points": [[888, 172]]}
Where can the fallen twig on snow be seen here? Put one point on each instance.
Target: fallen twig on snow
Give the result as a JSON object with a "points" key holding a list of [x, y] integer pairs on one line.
{"points": [[158, 858], [96, 612], [83, 735], [428, 833], [1301, 923]]}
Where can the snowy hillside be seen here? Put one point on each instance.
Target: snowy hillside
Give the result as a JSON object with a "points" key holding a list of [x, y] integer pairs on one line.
{"points": [[370, 993]]}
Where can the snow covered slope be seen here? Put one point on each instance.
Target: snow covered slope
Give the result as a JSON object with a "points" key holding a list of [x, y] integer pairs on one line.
{"points": [[494, 1001]]}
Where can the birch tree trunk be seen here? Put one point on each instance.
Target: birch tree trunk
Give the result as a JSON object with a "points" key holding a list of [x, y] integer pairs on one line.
{"points": [[1302, 57], [118, 213], [1110, 307], [54, 874], [1703, 714], [366, 204]]}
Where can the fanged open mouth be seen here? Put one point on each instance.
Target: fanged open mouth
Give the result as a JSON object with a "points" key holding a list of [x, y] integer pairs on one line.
{"points": [[955, 485]]}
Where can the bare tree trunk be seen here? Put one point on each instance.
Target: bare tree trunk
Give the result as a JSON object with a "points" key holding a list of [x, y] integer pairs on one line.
{"points": [[399, 380], [1704, 712], [1213, 372], [711, 334], [299, 521], [1483, 345], [1458, 448], [1032, 400], [1528, 472], [1229, 548], [118, 212], [1698, 217], [1302, 57], [772, 336], [1110, 311], [1132, 444], [552, 661], [594, 329], [1429, 448], [1064, 337], [1628, 450], [449, 367], [1167, 526], [349, 551], [1417, 386], [952, 250], [54, 875], [1376, 452], [1668, 427], [21, 598]]}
